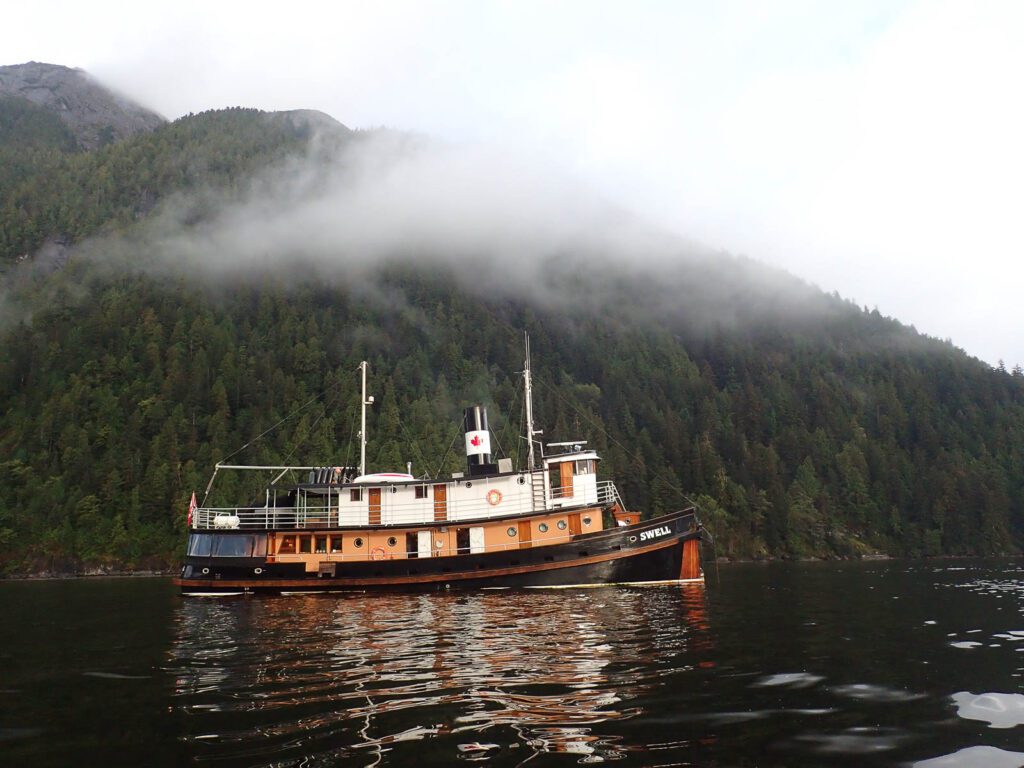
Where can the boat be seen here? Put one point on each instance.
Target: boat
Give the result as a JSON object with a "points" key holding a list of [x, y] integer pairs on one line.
{"points": [[549, 524]]}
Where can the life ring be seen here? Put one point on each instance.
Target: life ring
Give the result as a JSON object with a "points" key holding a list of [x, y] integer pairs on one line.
{"points": [[377, 553], [494, 497]]}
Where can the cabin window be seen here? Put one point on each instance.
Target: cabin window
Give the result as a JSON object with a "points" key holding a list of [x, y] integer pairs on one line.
{"points": [[511, 531], [357, 542], [335, 544], [561, 525], [585, 467], [558, 488], [587, 521], [356, 494], [421, 491], [543, 527], [392, 541], [287, 546], [321, 545], [305, 544], [259, 546]]}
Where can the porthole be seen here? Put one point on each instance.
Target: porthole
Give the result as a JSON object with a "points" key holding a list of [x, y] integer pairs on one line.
{"points": [[543, 527], [257, 571], [587, 521], [632, 539], [394, 489], [469, 484], [357, 542], [206, 571], [511, 531], [561, 525], [521, 480], [392, 541]]}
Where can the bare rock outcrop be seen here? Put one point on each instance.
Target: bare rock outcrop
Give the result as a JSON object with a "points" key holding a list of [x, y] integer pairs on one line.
{"points": [[95, 114]]}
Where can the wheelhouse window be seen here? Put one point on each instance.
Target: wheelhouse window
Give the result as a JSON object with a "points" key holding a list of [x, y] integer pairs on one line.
{"points": [[586, 467], [305, 545], [321, 545], [199, 544], [421, 491], [232, 546], [356, 494], [287, 546], [335, 544], [227, 545]]}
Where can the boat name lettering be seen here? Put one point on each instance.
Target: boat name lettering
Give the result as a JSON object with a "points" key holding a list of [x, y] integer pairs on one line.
{"points": [[655, 533]]}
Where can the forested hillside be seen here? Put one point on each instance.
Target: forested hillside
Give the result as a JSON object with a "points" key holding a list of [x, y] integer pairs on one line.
{"points": [[818, 430]]}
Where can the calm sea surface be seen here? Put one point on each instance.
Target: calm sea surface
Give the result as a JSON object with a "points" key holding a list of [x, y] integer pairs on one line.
{"points": [[882, 663]]}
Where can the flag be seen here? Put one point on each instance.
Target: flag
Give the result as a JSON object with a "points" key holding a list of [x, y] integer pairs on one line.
{"points": [[192, 508]]}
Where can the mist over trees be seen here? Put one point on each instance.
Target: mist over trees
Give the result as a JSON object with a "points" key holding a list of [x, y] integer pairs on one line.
{"points": [[801, 424]]}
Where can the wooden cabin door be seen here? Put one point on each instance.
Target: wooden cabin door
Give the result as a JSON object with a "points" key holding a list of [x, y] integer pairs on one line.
{"points": [[440, 503], [525, 536], [567, 475], [375, 506], [574, 524]]}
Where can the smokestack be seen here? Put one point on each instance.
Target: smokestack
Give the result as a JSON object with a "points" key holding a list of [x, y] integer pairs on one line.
{"points": [[478, 441]]}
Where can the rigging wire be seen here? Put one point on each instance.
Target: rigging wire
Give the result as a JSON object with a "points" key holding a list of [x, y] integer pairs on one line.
{"points": [[316, 421], [450, 446], [636, 457], [413, 443], [267, 431], [263, 434], [351, 416], [508, 421]]}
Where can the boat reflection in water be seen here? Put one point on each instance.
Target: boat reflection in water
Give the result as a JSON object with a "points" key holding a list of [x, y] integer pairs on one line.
{"points": [[487, 675]]}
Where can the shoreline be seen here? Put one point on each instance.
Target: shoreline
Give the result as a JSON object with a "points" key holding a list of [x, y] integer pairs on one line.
{"points": [[49, 576], [152, 574]]}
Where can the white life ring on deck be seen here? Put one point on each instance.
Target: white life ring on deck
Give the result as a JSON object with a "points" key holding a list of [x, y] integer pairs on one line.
{"points": [[377, 553], [494, 497]]}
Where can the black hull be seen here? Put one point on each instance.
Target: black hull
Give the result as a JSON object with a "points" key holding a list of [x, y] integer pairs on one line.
{"points": [[662, 549]]}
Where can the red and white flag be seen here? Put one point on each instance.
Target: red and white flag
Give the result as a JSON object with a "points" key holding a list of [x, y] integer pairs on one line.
{"points": [[191, 508]]}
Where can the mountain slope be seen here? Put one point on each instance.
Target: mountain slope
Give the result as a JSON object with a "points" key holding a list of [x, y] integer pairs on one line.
{"points": [[95, 115], [67, 196], [803, 425]]}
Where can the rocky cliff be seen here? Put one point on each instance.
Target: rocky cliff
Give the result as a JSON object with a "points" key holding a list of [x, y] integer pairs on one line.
{"points": [[94, 114]]}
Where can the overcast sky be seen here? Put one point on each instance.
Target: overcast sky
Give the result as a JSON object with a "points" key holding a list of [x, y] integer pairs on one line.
{"points": [[873, 148]]}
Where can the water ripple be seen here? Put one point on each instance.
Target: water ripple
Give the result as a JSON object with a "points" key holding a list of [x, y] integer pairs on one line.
{"points": [[323, 676]]}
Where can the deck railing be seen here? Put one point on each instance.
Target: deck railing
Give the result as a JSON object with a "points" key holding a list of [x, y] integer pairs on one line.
{"points": [[396, 514]]}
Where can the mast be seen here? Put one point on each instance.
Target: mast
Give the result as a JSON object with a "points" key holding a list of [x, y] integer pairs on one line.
{"points": [[528, 392], [362, 430]]}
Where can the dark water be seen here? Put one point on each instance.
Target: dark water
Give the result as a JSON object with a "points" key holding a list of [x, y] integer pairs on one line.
{"points": [[778, 665]]}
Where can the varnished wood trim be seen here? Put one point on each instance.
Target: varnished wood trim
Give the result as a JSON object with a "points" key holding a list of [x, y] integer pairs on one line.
{"points": [[690, 566]]}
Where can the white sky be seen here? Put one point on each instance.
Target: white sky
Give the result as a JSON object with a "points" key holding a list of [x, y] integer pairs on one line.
{"points": [[875, 147]]}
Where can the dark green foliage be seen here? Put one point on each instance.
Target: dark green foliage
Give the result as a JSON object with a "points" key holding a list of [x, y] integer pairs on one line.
{"points": [[831, 432], [67, 196]]}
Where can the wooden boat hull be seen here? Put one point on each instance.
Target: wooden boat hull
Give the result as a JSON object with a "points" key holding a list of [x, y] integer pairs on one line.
{"points": [[660, 550]]}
